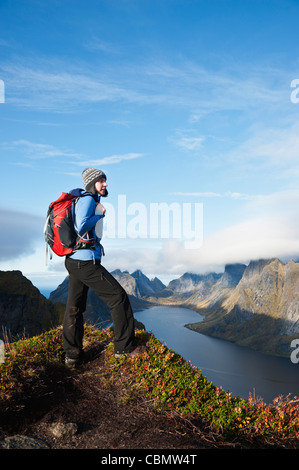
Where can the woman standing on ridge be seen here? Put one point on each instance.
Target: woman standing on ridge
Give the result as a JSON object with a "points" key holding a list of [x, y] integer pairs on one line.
{"points": [[86, 271]]}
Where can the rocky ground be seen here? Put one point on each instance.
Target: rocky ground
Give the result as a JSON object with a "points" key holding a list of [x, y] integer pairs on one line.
{"points": [[83, 410]]}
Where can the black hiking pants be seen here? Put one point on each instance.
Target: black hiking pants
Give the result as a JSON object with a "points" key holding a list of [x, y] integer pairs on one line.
{"points": [[89, 274]]}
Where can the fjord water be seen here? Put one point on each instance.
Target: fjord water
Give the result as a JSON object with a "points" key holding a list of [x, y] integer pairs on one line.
{"points": [[237, 369]]}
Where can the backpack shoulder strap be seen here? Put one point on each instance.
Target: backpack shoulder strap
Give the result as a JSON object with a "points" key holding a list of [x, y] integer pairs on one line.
{"points": [[78, 192]]}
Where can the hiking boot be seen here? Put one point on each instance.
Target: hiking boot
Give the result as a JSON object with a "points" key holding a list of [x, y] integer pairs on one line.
{"points": [[84, 356], [138, 350], [70, 362], [74, 361]]}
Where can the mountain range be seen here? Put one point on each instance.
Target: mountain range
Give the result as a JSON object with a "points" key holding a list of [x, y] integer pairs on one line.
{"points": [[261, 311], [254, 305]]}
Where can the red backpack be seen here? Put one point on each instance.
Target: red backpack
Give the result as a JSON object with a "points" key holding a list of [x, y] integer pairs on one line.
{"points": [[59, 230]]}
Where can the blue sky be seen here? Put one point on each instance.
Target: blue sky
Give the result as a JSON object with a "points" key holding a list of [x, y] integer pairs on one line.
{"points": [[178, 101]]}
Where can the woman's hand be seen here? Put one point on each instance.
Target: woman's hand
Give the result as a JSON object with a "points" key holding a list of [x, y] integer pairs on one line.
{"points": [[100, 208]]}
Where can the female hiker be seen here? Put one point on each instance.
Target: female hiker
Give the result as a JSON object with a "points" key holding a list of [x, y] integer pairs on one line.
{"points": [[86, 271]]}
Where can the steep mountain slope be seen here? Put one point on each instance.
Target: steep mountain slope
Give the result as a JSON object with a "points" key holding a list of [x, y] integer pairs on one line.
{"points": [[23, 309], [187, 289], [212, 293], [190, 282], [261, 312]]}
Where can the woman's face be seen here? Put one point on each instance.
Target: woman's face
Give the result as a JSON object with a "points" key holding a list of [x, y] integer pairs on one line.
{"points": [[100, 186]]}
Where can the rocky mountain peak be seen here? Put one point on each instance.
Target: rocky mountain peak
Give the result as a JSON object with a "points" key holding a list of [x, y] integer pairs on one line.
{"points": [[232, 275], [255, 267]]}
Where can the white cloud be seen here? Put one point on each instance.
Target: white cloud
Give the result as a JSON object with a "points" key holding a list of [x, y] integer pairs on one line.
{"points": [[205, 91], [61, 86], [269, 229], [39, 151], [110, 160], [251, 240], [198, 194], [36, 151], [120, 122], [190, 143], [54, 88], [227, 194], [20, 234], [187, 140], [276, 146]]}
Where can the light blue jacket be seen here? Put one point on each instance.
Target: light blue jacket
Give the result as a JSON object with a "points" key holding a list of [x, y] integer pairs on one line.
{"points": [[85, 221]]}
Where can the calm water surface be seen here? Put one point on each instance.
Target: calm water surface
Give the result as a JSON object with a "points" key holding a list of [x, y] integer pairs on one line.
{"points": [[237, 369]]}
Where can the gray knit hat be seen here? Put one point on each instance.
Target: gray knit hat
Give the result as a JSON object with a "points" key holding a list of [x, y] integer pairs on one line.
{"points": [[90, 177]]}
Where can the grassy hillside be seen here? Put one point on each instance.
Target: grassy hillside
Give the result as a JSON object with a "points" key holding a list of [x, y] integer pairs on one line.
{"points": [[161, 378]]}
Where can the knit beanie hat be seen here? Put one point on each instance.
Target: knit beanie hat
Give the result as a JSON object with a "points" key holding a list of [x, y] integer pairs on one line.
{"points": [[90, 177]]}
